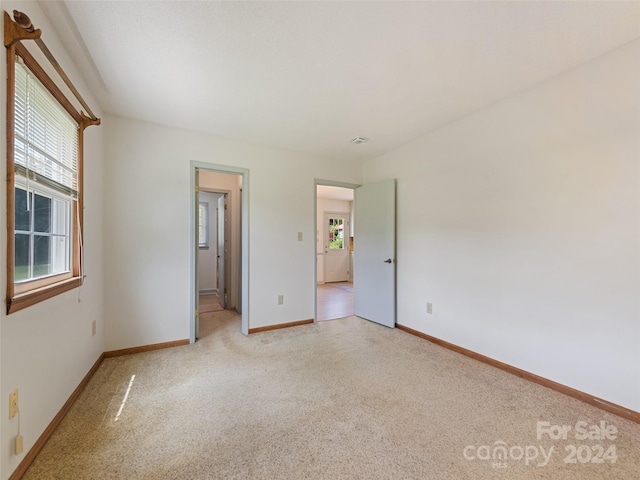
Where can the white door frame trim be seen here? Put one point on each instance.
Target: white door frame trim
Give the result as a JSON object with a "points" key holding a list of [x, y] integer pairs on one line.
{"points": [[329, 183], [244, 241]]}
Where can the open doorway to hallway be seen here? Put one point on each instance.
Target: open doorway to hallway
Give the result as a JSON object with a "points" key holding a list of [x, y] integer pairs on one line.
{"points": [[213, 248], [334, 252], [219, 278]]}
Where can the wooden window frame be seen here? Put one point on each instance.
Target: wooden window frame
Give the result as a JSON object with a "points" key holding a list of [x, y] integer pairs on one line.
{"points": [[61, 283]]}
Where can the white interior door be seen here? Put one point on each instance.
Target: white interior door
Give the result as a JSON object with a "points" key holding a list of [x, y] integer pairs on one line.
{"points": [[375, 252], [223, 246], [336, 247]]}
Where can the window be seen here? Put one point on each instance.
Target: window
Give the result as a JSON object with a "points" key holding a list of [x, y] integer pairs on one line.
{"points": [[336, 234], [45, 159], [42, 234], [44, 194], [203, 225]]}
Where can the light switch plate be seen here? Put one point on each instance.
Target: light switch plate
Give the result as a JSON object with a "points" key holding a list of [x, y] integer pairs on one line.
{"points": [[13, 404]]}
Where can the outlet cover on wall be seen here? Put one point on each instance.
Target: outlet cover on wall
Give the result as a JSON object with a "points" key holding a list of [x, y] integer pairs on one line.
{"points": [[429, 307], [280, 299]]}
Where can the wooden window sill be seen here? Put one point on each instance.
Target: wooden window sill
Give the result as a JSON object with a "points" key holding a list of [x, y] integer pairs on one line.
{"points": [[24, 300]]}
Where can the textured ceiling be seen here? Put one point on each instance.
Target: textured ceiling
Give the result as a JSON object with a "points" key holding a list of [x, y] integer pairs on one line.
{"points": [[310, 76]]}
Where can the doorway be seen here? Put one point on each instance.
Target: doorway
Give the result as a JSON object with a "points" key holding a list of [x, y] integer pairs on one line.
{"points": [[336, 237], [373, 272], [334, 252], [213, 248], [219, 225]]}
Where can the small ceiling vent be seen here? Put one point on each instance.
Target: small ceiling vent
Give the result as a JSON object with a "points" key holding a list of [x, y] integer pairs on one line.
{"points": [[358, 140]]}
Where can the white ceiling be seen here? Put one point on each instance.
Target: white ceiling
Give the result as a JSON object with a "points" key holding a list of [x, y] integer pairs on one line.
{"points": [[310, 76]]}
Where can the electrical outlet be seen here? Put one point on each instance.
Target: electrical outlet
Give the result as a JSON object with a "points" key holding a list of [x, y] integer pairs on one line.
{"points": [[299, 236], [429, 308], [13, 404], [93, 328], [280, 299]]}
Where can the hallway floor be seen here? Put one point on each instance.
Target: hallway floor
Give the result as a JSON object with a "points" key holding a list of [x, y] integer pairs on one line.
{"points": [[335, 300], [210, 303]]}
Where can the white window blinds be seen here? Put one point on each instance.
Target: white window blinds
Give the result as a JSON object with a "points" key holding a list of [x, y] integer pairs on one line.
{"points": [[46, 136]]}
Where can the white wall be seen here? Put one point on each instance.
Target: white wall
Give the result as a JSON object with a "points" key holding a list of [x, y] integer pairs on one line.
{"points": [[147, 275], [521, 224], [207, 264], [46, 349]]}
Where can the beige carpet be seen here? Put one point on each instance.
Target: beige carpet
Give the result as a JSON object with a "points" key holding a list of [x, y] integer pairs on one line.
{"points": [[345, 399]]}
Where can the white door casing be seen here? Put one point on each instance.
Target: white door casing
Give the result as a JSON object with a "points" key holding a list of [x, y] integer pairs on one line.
{"points": [[197, 251], [375, 252], [239, 250]]}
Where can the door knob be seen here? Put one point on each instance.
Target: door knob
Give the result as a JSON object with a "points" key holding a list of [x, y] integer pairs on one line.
{"points": [[388, 260]]}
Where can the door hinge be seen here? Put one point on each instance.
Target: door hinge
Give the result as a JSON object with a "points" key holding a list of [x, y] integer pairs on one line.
{"points": [[197, 313], [197, 188], [225, 206]]}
